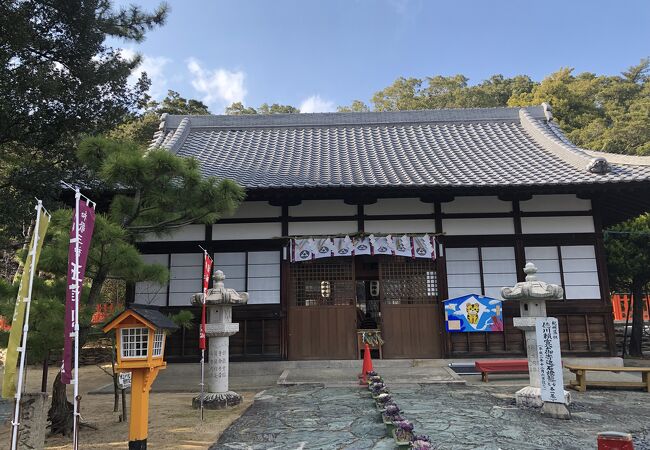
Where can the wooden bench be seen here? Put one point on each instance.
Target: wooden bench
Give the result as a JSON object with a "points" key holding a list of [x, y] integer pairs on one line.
{"points": [[501, 366], [581, 383]]}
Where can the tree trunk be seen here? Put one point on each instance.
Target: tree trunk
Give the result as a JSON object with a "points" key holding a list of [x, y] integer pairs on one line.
{"points": [[636, 338], [116, 398], [61, 412], [46, 366], [96, 288]]}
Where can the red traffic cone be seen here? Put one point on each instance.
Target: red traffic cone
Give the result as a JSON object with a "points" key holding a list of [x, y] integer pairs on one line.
{"points": [[367, 365]]}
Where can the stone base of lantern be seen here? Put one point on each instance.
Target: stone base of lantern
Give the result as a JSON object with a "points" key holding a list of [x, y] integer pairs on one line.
{"points": [[531, 397], [217, 400]]}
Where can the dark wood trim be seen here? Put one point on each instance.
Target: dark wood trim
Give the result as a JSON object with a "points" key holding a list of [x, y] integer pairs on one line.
{"points": [[425, 216], [520, 253], [245, 271], [285, 220], [480, 269], [169, 281], [208, 234], [361, 218], [560, 262], [556, 213], [437, 216], [603, 278]]}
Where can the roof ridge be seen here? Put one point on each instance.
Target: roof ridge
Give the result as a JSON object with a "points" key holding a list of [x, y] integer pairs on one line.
{"points": [[303, 120], [554, 141]]}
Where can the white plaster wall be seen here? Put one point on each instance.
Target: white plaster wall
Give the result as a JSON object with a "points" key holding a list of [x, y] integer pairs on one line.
{"points": [[311, 208], [476, 204], [226, 231], [569, 224], [580, 272], [398, 206], [186, 233], [249, 210], [556, 202], [466, 227], [400, 226], [322, 228]]}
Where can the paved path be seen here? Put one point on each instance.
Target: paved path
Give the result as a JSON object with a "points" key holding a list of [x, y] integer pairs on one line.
{"points": [[454, 416]]}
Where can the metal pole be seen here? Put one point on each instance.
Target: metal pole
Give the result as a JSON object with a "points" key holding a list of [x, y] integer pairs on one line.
{"points": [[28, 301], [75, 421]]}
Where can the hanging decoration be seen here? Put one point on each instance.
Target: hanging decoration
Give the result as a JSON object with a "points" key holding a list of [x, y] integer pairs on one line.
{"points": [[306, 249]]}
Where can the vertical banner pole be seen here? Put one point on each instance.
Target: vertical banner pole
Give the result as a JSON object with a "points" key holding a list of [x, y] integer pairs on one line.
{"points": [[202, 331], [207, 269], [23, 350], [75, 423]]}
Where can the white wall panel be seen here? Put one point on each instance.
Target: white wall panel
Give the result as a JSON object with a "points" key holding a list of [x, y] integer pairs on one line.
{"points": [[466, 227], [476, 204], [150, 293], [580, 272], [499, 269], [321, 228], [249, 210], [463, 271], [264, 277], [233, 265], [547, 261], [186, 233], [186, 272], [569, 224], [398, 206], [311, 208], [234, 231], [400, 226], [556, 202]]}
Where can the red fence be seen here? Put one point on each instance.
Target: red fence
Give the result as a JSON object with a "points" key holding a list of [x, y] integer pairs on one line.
{"points": [[621, 306]]}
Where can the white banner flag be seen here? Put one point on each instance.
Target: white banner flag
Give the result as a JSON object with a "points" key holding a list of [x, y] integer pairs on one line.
{"points": [[423, 247], [303, 249], [324, 248], [343, 246], [362, 246], [382, 245], [403, 246]]}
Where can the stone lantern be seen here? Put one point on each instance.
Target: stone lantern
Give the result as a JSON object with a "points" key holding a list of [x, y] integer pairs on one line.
{"points": [[218, 329], [532, 295]]}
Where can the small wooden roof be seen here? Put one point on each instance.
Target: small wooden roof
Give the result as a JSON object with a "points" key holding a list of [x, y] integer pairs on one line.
{"points": [[149, 315]]}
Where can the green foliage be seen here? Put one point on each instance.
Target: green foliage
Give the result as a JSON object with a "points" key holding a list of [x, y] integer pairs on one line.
{"points": [[356, 106], [183, 319], [59, 79], [628, 261], [166, 191], [628, 253], [607, 113], [140, 129], [238, 109]]}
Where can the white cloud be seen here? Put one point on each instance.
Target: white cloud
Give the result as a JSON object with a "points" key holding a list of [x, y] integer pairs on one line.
{"points": [[154, 66], [219, 87], [316, 104]]}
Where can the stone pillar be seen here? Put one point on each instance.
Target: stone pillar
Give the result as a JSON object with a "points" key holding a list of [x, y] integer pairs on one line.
{"points": [[219, 328], [33, 415], [532, 295]]}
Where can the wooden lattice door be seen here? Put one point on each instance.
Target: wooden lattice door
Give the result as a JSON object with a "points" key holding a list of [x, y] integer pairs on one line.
{"points": [[322, 313], [410, 309]]}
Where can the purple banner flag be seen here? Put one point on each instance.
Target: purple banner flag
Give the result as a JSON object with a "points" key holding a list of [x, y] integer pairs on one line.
{"points": [[76, 271]]}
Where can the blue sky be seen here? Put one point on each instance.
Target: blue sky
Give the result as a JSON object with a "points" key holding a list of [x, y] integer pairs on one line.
{"points": [[321, 54]]}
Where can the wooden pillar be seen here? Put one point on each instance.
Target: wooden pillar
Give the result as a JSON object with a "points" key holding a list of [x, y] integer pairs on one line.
{"points": [[141, 381]]}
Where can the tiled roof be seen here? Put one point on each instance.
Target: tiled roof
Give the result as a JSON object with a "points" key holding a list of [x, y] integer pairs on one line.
{"points": [[454, 147]]}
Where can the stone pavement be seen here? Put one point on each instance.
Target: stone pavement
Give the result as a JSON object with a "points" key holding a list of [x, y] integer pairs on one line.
{"points": [[474, 416]]}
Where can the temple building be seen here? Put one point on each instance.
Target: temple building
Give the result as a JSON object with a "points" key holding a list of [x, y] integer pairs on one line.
{"points": [[372, 220]]}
